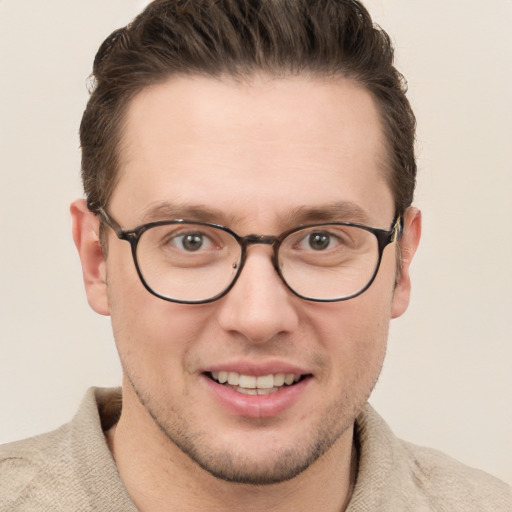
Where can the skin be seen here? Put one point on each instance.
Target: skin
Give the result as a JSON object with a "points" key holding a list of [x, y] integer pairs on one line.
{"points": [[257, 153]]}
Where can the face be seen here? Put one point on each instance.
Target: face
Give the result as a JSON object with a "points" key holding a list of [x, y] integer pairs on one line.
{"points": [[259, 157]]}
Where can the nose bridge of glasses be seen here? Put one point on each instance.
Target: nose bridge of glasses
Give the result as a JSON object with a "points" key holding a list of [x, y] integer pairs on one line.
{"points": [[258, 239], [254, 239]]}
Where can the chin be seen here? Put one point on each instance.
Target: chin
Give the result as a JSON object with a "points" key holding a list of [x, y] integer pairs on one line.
{"points": [[273, 467], [256, 458]]}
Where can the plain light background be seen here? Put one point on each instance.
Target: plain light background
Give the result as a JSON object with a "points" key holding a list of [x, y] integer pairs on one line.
{"points": [[447, 380]]}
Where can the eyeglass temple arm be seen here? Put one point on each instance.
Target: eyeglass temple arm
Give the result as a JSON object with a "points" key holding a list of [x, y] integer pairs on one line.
{"points": [[105, 217], [398, 228]]}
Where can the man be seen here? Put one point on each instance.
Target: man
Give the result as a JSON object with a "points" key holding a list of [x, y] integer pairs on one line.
{"points": [[249, 172]]}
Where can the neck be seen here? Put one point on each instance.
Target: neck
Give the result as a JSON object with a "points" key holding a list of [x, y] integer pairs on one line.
{"points": [[159, 476]]}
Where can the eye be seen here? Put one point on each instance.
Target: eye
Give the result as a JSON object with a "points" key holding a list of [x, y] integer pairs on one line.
{"points": [[319, 241], [191, 241]]}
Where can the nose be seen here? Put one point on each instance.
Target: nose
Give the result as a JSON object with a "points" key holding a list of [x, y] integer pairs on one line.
{"points": [[259, 306]]}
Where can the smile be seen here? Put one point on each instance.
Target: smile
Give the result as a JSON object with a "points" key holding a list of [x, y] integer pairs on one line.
{"points": [[252, 385]]}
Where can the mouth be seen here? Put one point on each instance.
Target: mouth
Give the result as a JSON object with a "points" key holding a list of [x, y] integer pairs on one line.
{"points": [[256, 385]]}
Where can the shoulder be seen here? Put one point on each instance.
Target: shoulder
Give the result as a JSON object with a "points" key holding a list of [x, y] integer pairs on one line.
{"points": [[446, 481], [70, 468], [395, 475], [34, 471]]}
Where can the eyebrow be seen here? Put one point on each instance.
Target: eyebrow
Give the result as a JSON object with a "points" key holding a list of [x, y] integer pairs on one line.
{"points": [[166, 211], [342, 211]]}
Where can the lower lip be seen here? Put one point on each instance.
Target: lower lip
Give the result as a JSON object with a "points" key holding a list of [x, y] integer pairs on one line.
{"points": [[257, 406]]}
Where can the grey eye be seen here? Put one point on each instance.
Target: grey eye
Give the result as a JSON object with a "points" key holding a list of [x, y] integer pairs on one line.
{"points": [[192, 242], [319, 241]]}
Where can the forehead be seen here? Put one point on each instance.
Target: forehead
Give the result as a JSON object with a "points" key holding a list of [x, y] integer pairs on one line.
{"points": [[252, 148]]}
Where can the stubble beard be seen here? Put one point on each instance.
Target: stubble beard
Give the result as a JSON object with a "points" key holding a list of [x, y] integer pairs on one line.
{"points": [[283, 466]]}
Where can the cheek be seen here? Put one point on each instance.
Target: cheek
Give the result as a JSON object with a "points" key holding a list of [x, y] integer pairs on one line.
{"points": [[359, 336], [146, 329], [364, 318], [354, 332], [155, 339]]}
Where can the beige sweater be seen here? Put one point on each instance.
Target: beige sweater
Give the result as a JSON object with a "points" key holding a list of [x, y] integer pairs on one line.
{"points": [[71, 469]]}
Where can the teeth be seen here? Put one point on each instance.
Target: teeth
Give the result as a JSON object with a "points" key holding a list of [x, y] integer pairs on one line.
{"points": [[247, 391], [266, 391], [247, 381], [233, 378], [288, 379], [279, 379], [264, 383]]}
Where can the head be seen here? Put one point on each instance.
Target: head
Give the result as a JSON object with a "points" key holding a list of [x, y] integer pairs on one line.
{"points": [[260, 117]]}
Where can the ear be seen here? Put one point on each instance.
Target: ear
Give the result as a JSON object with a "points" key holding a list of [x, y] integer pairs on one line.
{"points": [[94, 268], [408, 245]]}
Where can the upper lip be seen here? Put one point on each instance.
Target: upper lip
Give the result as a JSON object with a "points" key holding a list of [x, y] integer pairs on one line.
{"points": [[258, 369]]}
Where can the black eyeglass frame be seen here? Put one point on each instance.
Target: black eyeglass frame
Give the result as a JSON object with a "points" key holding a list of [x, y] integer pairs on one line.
{"points": [[384, 238]]}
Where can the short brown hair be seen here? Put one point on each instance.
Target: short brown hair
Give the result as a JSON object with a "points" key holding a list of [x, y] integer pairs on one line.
{"points": [[322, 38]]}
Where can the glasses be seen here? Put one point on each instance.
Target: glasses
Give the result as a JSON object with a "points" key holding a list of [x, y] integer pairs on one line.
{"points": [[193, 262]]}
